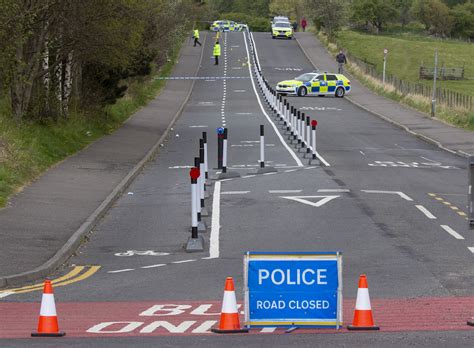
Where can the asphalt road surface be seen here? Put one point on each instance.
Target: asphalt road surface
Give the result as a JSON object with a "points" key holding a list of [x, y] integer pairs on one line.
{"points": [[394, 205]]}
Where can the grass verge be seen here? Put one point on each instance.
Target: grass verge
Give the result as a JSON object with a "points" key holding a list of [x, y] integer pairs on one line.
{"points": [[455, 116], [28, 150]]}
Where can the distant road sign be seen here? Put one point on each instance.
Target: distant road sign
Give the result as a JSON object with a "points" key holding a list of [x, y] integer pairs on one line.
{"points": [[385, 51], [293, 289]]}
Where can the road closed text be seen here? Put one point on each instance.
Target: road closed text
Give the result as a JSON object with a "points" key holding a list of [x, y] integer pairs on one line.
{"points": [[292, 304]]}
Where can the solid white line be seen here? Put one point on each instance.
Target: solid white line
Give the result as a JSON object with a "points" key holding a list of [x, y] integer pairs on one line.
{"points": [[322, 159], [234, 192], [334, 190], [248, 176], [184, 261], [471, 249], [153, 266], [269, 173], [401, 194], [5, 294], [451, 232], [426, 212], [292, 153], [122, 270], [284, 191], [290, 170], [215, 225]]}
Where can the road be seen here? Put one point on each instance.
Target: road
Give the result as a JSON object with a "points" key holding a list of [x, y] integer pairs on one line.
{"points": [[395, 210]]}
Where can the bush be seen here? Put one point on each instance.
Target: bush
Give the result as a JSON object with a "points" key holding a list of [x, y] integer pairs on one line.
{"points": [[254, 23]]}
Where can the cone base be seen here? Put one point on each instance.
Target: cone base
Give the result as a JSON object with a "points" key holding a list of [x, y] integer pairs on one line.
{"points": [[355, 328], [48, 334], [220, 331]]}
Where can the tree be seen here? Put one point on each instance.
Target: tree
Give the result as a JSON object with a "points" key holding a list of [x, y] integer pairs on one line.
{"points": [[435, 16], [376, 12], [290, 8], [463, 20], [403, 7], [327, 14]]}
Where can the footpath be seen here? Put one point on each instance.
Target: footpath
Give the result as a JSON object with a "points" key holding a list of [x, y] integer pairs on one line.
{"points": [[449, 138], [43, 225]]}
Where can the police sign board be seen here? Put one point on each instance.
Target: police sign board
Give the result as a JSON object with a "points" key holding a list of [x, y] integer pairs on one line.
{"points": [[293, 289]]}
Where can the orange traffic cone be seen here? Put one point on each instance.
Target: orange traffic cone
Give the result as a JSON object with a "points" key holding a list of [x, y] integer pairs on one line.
{"points": [[229, 322], [48, 320], [363, 319]]}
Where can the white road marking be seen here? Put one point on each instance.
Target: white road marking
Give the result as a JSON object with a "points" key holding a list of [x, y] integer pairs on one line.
{"points": [[206, 103], [122, 270], [250, 141], [401, 194], [310, 167], [269, 173], [248, 176], [234, 192], [471, 249], [239, 90], [5, 294], [321, 159], [154, 266], [215, 224], [268, 329], [237, 68], [244, 113], [199, 126], [430, 160], [180, 167], [334, 190], [209, 80], [319, 203], [284, 191], [426, 212], [451, 232], [184, 261], [290, 170], [362, 152], [292, 153], [226, 180]]}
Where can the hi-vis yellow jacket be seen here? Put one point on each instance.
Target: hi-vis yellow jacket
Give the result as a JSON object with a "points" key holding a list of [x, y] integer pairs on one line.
{"points": [[217, 50], [196, 34]]}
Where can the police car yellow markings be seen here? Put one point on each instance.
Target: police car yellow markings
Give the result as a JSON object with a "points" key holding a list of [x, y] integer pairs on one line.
{"points": [[78, 273], [449, 204]]}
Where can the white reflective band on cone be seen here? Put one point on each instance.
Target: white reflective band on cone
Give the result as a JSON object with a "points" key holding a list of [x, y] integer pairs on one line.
{"points": [[363, 300], [48, 308], [229, 303]]}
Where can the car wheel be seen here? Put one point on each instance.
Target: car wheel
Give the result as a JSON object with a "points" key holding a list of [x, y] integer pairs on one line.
{"points": [[302, 91], [340, 92], [290, 38], [273, 37]]}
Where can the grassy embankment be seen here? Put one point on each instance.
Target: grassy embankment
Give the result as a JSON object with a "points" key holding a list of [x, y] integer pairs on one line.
{"points": [[28, 150], [406, 53]]}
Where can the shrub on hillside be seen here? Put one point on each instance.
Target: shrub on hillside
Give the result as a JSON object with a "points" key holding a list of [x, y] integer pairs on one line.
{"points": [[254, 23]]}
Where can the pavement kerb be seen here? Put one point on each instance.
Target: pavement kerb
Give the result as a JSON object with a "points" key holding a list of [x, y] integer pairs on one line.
{"points": [[67, 250], [400, 125]]}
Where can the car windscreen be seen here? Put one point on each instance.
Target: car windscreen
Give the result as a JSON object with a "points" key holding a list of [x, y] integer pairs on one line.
{"points": [[282, 25], [304, 77]]}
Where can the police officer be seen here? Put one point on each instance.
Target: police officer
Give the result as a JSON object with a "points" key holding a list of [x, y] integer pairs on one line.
{"points": [[196, 37], [217, 52], [341, 60]]}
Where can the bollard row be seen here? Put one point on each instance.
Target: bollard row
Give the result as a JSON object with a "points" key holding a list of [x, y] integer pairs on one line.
{"points": [[299, 128]]}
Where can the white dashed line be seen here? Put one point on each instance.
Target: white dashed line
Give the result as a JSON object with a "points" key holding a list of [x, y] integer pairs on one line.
{"points": [[284, 191], [269, 173], [268, 329], [154, 266], [334, 190], [248, 176], [362, 153], [471, 249], [426, 212], [184, 261], [122, 270], [451, 232], [290, 170], [234, 192]]}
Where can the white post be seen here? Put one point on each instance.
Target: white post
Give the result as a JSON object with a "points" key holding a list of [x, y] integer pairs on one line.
{"points": [[194, 221], [262, 146], [206, 164], [385, 51], [313, 145], [224, 157], [435, 75]]}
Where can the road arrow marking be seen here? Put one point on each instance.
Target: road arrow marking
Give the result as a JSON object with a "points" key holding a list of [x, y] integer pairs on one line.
{"points": [[401, 194], [302, 199]]}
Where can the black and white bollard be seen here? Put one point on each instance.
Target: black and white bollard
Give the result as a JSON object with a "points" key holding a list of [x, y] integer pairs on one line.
{"points": [[220, 146], [314, 158], [225, 174], [263, 169], [206, 163], [298, 126], [308, 138], [202, 179], [195, 242], [202, 226], [292, 124]]}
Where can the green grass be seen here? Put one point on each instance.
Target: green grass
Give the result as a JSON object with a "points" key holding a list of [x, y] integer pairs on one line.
{"points": [[406, 52], [28, 150]]}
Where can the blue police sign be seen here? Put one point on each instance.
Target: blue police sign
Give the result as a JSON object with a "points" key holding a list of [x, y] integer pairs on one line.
{"points": [[220, 130], [293, 289]]}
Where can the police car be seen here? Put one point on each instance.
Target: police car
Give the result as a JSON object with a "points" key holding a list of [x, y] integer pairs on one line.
{"points": [[316, 84], [282, 29], [224, 25]]}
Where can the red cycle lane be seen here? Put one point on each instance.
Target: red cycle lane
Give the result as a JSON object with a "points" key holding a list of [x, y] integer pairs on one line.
{"points": [[158, 318]]}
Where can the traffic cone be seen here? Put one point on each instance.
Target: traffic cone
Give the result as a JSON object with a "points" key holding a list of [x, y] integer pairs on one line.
{"points": [[48, 320], [363, 319], [229, 322]]}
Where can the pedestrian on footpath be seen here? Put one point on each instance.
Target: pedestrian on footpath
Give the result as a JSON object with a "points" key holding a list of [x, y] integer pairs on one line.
{"points": [[341, 60], [196, 37], [217, 52], [304, 23]]}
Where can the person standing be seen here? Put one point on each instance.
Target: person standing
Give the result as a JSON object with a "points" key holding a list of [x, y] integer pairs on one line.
{"points": [[196, 37], [217, 52], [304, 23], [341, 60]]}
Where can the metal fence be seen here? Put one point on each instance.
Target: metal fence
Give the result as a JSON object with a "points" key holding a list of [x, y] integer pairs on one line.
{"points": [[442, 73], [444, 96]]}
